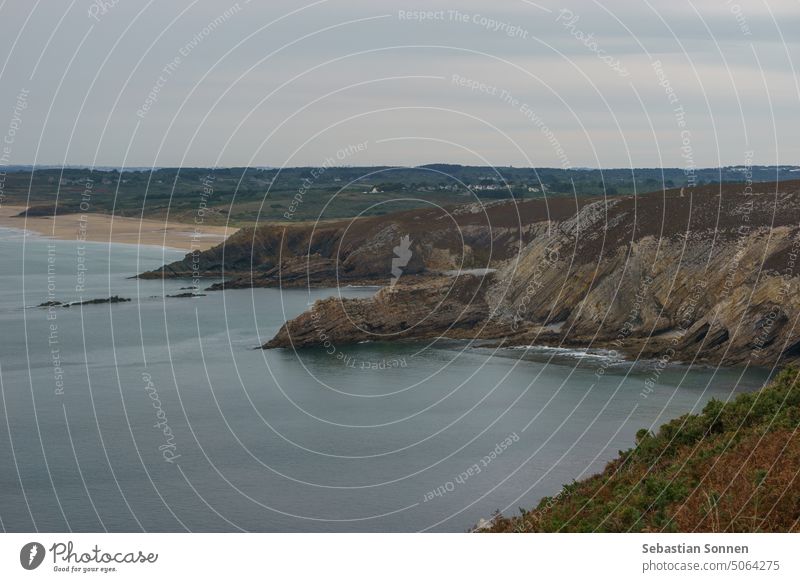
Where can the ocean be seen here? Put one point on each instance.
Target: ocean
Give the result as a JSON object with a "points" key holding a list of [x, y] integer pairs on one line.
{"points": [[160, 414]]}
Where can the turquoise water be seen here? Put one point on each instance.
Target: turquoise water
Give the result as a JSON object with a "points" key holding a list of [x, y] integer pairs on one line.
{"points": [[160, 415]]}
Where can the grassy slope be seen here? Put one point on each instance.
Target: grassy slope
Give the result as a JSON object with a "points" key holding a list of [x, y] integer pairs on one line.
{"points": [[734, 467]]}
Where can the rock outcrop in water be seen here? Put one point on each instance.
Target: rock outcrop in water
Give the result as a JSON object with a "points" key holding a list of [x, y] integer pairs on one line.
{"points": [[707, 275], [112, 299]]}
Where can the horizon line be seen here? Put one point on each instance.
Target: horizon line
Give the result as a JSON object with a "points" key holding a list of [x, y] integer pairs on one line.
{"points": [[137, 168]]}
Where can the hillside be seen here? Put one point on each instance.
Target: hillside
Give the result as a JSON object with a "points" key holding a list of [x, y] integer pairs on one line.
{"points": [[361, 251], [732, 468]]}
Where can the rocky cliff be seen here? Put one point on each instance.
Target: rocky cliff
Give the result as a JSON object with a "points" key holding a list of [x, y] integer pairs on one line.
{"points": [[708, 275], [703, 275], [361, 251], [698, 277]]}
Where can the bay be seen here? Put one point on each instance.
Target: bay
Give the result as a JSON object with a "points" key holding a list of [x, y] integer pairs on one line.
{"points": [[160, 414]]}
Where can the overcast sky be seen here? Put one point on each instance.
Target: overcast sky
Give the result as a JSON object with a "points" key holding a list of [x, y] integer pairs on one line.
{"points": [[215, 83]]}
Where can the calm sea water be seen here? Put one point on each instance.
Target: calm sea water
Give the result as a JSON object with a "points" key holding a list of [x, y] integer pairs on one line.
{"points": [[160, 415]]}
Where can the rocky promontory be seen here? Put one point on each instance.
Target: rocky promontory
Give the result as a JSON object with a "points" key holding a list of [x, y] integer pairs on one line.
{"points": [[361, 251], [702, 275], [452, 307], [692, 278]]}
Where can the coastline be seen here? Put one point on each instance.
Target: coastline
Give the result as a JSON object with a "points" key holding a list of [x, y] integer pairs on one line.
{"points": [[106, 228]]}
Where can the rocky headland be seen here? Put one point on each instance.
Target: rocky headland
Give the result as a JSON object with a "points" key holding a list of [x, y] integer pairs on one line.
{"points": [[703, 275]]}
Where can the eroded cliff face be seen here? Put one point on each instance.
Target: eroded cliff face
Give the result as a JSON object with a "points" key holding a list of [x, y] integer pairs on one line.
{"points": [[696, 277], [702, 287]]}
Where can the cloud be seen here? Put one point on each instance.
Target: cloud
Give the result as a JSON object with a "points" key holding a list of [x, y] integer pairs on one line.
{"points": [[234, 83]]}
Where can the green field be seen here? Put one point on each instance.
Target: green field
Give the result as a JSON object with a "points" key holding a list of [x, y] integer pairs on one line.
{"points": [[244, 196]]}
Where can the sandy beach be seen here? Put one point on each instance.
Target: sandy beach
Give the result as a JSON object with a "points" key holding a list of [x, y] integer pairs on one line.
{"points": [[106, 228]]}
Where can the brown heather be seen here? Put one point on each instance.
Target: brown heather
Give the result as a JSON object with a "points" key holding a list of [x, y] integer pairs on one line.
{"points": [[733, 468]]}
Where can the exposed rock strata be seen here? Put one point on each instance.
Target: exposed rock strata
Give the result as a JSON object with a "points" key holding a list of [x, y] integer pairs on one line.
{"points": [[692, 278]]}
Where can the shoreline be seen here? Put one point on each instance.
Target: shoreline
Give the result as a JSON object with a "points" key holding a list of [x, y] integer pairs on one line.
{"points": [[105, 228]]}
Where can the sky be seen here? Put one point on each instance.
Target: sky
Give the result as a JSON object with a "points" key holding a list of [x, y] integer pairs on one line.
{"points": [[569, 84]]}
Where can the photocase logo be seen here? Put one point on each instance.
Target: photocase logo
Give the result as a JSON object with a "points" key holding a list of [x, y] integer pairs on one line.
{"points": [[402, 256], [31, 555]]}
